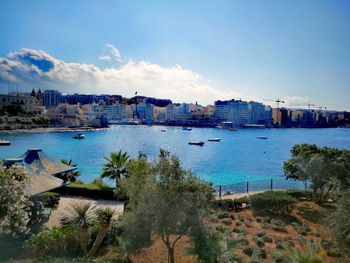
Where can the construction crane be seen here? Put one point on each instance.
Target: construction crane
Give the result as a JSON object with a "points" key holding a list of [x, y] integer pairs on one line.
{"points": [[278, 101]]}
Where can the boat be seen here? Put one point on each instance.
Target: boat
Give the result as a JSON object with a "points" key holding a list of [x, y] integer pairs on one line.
{"points": [[262, 137], [163, 130], [214, 140], [187, 129], [233, 129], [5, 143], [79, 136], [200, 143]]}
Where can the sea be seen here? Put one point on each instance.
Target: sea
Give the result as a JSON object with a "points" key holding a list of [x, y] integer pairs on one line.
{"points": [[238, 158]]}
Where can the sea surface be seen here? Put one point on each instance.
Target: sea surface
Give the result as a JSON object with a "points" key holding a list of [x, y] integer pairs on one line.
{"points": [[239, 157]]}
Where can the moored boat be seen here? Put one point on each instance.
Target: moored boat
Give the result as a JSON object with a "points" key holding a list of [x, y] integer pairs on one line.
{"points": [[79, 136], [5, 143], [163, 130], [187, 129], [214, 139], [200, 143], [262, 137], [233, 129]]}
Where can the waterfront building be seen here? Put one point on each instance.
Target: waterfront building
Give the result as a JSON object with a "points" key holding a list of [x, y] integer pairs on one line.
{"points": [[27, 102], [115, 112], [178, 113], [257, 113], [66, 115], [52, 98], [159, 114], [235, 111], [80, 98]]}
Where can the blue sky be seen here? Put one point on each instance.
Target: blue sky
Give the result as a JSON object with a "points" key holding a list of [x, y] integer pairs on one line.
{"points": [[201, 50]]}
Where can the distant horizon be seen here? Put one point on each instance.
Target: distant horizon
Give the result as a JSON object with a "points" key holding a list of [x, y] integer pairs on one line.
{"points": [[296, 51]]}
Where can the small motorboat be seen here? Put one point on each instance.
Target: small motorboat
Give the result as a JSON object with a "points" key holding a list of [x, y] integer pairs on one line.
{"points": [[163, 130], [214, 140], [79, 136], [5, 143], [262, 137], [187, 129], [200, 143], [233, 129]]}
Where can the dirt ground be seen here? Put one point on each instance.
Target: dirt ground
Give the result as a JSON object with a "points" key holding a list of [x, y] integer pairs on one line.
{"points": [[305, 212]]}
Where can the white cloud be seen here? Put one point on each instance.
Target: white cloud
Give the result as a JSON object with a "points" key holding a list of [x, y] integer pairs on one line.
{"points": [[105, 57], [114, 52], [295, 101], [36, 68]]}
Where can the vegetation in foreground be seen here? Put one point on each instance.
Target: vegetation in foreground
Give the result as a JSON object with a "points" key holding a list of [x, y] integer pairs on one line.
{"points": [[172, 216]]}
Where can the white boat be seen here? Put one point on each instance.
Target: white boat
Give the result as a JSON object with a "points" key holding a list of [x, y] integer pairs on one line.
{"points": [[79, 136], [187, 129], [5, 143], [214, 140]]}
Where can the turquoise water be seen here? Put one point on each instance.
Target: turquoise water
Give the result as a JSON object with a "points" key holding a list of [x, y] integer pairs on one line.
{"points": [[239, 157]]}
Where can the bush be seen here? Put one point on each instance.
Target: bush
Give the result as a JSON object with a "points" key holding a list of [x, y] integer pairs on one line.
{"points": [[57, 241], [49, 199], [88, 190], [224, 214], [301, 229], [240, 230], [227, 221], [273, 202], [300, 194]]}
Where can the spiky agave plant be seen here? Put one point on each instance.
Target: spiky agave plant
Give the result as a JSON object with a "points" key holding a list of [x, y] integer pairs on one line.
{"points": [[104, 219], [310, 253], [80, 215]]}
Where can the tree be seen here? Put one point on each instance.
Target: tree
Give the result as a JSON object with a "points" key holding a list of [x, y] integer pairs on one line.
{"points": [[310, 253], [169, 210], [105, 217], [115, 167], [81, 217], [14, 201], [73, 175], [142, 180], [339, 222], [327, 169]]}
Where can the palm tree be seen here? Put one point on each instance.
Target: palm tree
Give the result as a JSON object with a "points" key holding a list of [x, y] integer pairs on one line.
{"points": [[80, 216], [105, 217], [72, 177], [115, 166], [310, 253]]}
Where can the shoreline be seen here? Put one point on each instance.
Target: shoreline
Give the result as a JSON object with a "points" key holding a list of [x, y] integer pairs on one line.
{"points": [[77, 129], [51, 129]]}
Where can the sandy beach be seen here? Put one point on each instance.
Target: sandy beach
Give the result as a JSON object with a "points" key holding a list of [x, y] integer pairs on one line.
{"points": [[65, 202]]}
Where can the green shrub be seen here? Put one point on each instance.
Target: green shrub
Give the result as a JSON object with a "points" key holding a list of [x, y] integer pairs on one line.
{"points": [[301, 229], [224, 204], [213, 218], [240, 218], [89, 190], [273, 202], [248, 251], [260, 242], [57, 241], [227, 221], [222, 229], [49, 199], [239, 230], [224, 214], [300, 194]]}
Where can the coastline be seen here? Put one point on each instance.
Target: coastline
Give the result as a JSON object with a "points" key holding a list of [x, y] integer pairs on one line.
{"points": [[51, 129]]}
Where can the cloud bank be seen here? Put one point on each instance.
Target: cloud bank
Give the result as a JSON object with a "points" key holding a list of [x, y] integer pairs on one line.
{"points": [[35, 68]]}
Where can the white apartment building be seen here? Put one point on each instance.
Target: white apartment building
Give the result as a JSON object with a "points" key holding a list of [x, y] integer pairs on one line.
{"points": [[235, 111], [27, 102]]}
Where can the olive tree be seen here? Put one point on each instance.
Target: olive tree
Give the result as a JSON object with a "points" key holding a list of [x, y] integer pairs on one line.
{"points": [[168, 209], [327, 169]]}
